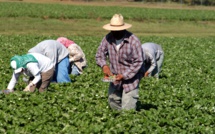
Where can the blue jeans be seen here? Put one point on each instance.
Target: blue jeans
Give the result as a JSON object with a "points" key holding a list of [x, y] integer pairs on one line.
{"points": [[61, 74], [75, 70]]}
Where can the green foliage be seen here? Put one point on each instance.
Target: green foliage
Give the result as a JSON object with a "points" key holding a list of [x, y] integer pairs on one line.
{"points": [[93, 12], [181, 101]]}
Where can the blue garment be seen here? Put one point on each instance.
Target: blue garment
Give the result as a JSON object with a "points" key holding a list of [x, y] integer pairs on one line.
{"points": [[62, 71], [75, 70]]}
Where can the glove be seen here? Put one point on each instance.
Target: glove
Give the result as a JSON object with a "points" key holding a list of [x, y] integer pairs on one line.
{"points": [[146, 74], [119, 77], [71, 59], [106, 71], [28, 87]]}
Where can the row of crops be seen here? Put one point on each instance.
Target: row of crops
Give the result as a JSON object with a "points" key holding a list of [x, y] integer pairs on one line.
{"points": [[181, 101], [93, 12]]}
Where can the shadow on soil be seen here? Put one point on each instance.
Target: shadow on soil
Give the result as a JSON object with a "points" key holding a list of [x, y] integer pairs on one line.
{"points": [[145, 106]]}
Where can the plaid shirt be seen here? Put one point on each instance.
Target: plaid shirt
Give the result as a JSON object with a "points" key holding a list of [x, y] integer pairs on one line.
{"points": [[126, 61]]}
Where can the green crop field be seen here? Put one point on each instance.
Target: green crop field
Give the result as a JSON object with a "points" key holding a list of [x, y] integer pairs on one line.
{"points": [[181, 101]]}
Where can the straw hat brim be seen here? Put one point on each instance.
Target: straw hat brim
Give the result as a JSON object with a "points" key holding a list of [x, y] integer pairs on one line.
{"points": [[117, 28]]}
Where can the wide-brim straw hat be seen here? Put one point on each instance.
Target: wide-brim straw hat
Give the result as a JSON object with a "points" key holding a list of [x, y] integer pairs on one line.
{"points": [[117, 23]]}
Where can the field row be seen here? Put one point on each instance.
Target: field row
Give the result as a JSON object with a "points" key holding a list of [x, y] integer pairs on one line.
{"points": [[181, 101], [93, 12]]}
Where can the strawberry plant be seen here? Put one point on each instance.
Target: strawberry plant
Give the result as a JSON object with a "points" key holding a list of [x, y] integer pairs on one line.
{"points": [[181, 101]]}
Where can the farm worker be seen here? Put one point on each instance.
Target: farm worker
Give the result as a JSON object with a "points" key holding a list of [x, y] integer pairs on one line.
{"points": [[76, 55], [59, 56], [38, 67], [153, 58], [125, 58]]}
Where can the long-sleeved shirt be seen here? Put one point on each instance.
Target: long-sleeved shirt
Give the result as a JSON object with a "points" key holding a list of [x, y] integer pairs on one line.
{"points": [[151, 53], [126, 61], [52, 49], [33, 69], [77, 56]]}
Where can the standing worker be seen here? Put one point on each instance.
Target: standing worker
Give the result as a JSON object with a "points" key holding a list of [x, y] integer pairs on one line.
{"points": [[59, 55], [125, 58], [153, 59]]}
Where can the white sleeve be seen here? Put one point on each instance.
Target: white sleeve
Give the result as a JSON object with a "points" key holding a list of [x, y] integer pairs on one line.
{"points": [[36, 79], [35, 71], [153, 63], [13, 81]]}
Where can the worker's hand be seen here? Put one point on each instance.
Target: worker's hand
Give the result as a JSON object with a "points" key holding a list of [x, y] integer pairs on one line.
{"points": [[119, 77], [106, 71], [6, 91], [146, 74], [71, 59], [28, 87]]}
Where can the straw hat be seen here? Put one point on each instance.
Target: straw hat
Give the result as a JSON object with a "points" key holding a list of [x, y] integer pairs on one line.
{"points": [[117, 23]]}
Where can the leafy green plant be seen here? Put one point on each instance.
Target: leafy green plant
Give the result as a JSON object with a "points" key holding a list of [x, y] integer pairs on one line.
{"points": [[181, 101]]}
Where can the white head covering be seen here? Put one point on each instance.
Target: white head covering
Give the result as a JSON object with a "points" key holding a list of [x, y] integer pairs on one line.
{"points": [[13, 65]]}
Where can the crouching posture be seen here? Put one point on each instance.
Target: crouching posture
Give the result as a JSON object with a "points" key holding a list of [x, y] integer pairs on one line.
{"points": [[39, 67], [59, 56], [76, 56], [153, 59]]}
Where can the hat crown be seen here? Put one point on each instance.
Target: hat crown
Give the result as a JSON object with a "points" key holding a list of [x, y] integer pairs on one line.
{"points": [[117, 23], [117, 20]]}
